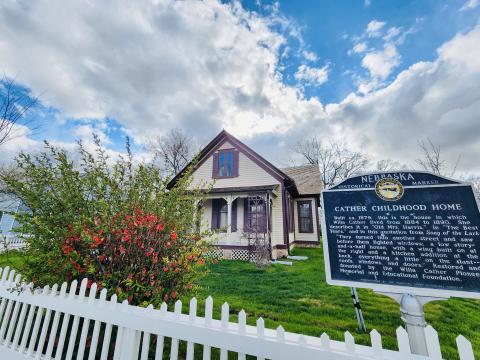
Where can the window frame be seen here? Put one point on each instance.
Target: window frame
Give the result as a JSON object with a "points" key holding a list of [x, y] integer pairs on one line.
{"points": [[301, 229], [226, 163]]}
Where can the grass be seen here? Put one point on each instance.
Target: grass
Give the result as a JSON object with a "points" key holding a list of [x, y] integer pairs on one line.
{"points": [[298, 298]]}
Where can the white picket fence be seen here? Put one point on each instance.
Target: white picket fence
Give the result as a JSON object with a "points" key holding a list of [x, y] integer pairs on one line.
{"points": [[11, 242], [61, 324]]}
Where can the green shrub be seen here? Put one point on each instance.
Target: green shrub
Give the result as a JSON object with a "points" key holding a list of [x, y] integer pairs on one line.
{"points": [[113, 221]]}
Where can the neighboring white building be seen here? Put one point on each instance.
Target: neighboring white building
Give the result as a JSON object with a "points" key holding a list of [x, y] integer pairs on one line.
{"points": [[250, 195], [10, 205]]}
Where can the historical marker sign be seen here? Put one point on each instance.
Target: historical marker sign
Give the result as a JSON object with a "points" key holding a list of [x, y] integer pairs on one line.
{"points": [[403, 232]]}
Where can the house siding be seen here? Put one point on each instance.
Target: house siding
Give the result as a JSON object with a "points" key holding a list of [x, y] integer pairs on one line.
{"points": [[313, 236], [249, 173]]}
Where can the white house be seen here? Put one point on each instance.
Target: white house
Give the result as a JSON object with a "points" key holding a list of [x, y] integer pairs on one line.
{"points": [[252, 196], [10, 205]]}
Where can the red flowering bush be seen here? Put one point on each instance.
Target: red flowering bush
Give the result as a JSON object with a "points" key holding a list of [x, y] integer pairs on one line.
{"points": [[114, 222], [137, 255]]}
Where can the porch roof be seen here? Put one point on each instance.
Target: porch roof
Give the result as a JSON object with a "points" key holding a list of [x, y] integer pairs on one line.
{"points": [[243, 189]]}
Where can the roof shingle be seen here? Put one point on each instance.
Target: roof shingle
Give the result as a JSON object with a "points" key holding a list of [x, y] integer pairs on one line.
{"points": [[306, 177]]}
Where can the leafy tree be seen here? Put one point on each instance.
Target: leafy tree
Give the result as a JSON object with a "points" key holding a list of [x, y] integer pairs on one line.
{"points": [[113, 221]]}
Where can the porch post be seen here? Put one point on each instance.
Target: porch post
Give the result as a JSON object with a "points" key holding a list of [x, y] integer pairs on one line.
{"points": [[229, 200]]}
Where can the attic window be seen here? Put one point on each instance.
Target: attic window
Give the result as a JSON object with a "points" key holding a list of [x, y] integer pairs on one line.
{"points": [[225, 164]]}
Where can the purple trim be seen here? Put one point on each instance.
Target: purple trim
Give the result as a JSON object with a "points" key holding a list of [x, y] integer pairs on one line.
{"points": [[249, 189], [235, 162], [316, 217], [216, 163], [219, 140], [310, 230], [286, 240]]}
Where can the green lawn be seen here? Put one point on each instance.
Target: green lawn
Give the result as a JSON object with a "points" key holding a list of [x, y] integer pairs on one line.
{"points": [[298, 298]]}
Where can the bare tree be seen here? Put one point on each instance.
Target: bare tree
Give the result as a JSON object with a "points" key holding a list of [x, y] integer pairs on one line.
{"points": [[389, 165], [174, 150], [433, 159], [15, 103], [335, 160]]}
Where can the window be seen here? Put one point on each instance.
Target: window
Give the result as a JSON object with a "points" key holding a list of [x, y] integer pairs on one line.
{"points": [[255, 216], [225, 163], [305, 221], [223, 217], [219, 215]]}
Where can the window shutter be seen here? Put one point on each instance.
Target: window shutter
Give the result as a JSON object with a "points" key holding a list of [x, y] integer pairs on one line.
{"points": [[235, 163], [215, 165], [234, 216], [215, 211], [245, 215]]}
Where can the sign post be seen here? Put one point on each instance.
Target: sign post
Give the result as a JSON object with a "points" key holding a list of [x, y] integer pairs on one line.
{"points": [[410, 235]]}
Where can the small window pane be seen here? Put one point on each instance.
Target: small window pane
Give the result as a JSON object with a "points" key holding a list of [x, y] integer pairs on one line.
{"points": [[221, 163], [223, 217], [305, 221], [229, 163]]}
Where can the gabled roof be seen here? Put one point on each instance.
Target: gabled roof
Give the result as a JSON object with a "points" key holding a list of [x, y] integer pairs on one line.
{"points": [[307, 178], [224, 136]]}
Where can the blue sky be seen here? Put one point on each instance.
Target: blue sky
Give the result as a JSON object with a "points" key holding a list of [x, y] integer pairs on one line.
{"points": [[379, 76]]}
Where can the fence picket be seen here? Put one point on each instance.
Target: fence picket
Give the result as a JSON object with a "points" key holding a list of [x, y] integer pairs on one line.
{"points": [[242, 324], [56, 319], [46, 324], [13, 320], [6, 316], [192, 316], [261, 331], [86, 324], [376, 340], [208, 321], [224, 318], [108, 331], [19, 328], [26, 323], [174, 346], [325, 341], [349, 343], [96, 328], [433, 344], [146, 337], [465, 350], [36, 325], [76, 321], [66, 320], [403, 344]]}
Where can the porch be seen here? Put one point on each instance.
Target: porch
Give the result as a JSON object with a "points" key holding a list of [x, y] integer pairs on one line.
{"points": [[240, 219]]}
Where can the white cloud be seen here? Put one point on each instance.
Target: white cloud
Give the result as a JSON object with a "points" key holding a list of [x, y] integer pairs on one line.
{"points": [[381, 63], [205, 65], [374, 28], [312, 75], [439, 100], [310, 56], [392, 33], [155, 65], [360, 47], [470, 4]]}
